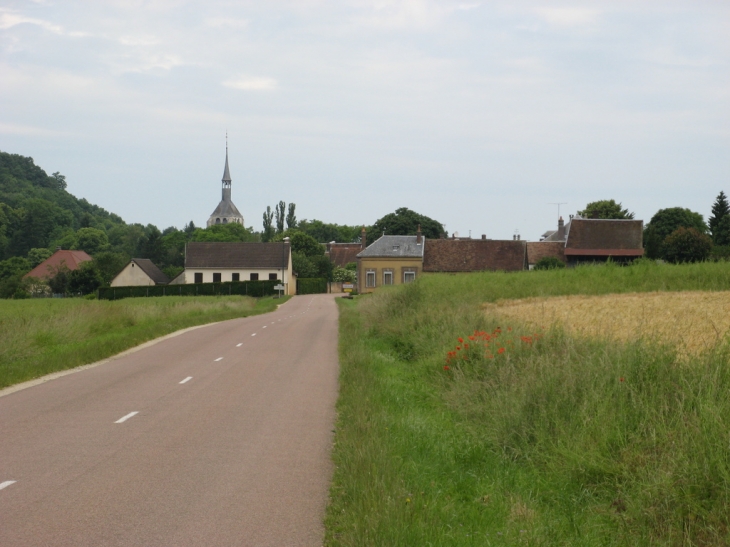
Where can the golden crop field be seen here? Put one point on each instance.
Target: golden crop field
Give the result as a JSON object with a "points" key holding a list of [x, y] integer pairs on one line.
{"points": [[693, 321]]}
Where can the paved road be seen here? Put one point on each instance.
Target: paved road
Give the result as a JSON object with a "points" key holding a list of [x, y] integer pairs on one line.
{"points": [[230, 443]]}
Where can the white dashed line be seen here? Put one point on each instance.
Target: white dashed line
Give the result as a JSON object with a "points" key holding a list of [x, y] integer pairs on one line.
{"points": [[263, 327], [127, 417], [254, 334], [6, 484], [219, 359], [187, 379], [239, 345]]}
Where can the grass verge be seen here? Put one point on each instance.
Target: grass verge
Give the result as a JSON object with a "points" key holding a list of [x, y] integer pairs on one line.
{"points": [[556, 440], [41, 336]]}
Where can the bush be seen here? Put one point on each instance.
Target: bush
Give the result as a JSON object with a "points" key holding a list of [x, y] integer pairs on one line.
{"points": [[241, 288], [311, 286], [549, 263], [687, 245]]}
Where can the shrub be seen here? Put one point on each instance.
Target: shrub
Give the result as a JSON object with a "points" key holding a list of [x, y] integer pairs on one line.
{"points": [[549, 263], [687, 245]]}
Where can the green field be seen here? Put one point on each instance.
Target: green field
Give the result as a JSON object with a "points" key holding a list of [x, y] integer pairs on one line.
{"points": [[41, 336], [555, 440]]}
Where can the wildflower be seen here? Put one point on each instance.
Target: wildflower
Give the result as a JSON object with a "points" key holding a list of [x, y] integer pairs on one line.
{"points": [[621, 379], [408, 500], [458, 347], [446, 367], [466, 346], [461, 340], [500, 350]]}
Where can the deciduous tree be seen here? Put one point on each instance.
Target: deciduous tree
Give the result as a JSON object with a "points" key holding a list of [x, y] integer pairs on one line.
{"points": [[666, 221], [405, 222], [606, 208], [687, 245]]}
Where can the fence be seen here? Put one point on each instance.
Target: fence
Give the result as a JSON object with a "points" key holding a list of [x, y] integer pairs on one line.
{"points": [[243, 288]]}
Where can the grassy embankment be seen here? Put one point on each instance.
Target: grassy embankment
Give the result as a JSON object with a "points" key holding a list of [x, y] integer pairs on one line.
{"points": [[566, 439], [41, 336]]}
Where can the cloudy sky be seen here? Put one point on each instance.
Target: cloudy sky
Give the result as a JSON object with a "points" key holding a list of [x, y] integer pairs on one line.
{"points": [[481, 115]]}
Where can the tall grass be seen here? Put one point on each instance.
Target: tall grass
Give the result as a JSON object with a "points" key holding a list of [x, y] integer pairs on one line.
{"points": [[564, 441], [41, 336]]}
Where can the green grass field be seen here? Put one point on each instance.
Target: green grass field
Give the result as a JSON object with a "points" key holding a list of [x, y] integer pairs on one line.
{"points": [[41, 336], [553, 440]]}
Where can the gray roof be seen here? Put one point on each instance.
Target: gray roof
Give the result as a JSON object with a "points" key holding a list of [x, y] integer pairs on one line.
{"points": [[226, 209], [236, 255], [152, 271], [395, 246]]}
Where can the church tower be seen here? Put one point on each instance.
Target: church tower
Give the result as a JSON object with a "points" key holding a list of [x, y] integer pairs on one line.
{"points": [[226, 212]]}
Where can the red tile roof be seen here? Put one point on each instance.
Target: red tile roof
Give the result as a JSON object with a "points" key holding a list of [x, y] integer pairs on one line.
{"points": [[473, 255], [47, 269], [341, 254]]}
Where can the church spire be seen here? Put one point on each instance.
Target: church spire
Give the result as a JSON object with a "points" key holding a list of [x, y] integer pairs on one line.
{"points": [[226, 172]]}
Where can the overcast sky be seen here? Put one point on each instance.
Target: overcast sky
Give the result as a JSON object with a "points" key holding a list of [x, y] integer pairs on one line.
{"points": [[481, 115]]}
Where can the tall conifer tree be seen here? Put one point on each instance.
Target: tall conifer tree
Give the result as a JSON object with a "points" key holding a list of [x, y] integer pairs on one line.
{"points": [[720, 209]]}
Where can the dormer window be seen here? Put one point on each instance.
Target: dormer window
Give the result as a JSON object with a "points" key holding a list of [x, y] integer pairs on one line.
{"points": [[396, 247]]}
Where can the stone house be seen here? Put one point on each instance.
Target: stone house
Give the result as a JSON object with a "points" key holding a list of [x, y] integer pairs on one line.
{"points": [[391, 260]]}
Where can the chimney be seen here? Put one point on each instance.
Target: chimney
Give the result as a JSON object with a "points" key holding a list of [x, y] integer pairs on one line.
{"points": [[419, 239], [561, 229], [484, 236], [58, 248], [518, 237], [363, 239]]}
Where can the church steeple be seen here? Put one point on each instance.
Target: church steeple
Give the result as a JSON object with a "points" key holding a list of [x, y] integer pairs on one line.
{"points": [[226, 212]]}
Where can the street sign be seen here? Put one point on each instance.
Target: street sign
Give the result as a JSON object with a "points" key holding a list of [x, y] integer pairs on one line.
{"points": [[279, 287], [347, 287]]}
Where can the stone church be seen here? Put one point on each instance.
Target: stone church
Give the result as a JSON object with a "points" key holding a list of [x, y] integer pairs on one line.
{"points": [[226, 212]]}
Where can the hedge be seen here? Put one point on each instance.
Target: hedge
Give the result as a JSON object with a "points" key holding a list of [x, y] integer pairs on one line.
{"points": [[243, 288], [314, 285]]}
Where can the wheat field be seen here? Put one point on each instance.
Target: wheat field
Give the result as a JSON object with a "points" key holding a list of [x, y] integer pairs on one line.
{"points": [[692, 321]]}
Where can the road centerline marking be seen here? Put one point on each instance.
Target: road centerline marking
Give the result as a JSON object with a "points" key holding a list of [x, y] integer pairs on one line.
{"points": [[6, 484], [254, 334], [239, 345], [127, 417], [219, 358], [187, 379]]}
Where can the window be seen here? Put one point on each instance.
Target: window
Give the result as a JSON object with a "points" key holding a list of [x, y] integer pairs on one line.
{"points": [[254, 277], [370, 279], [225, 221], [236, 277], [198, 277], [409, 277], [216, 278], [396, 247], [273, 277], [388, 277], [217, 221]]}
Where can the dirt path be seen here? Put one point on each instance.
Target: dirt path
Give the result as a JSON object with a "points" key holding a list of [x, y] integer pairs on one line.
{"points": [[220, 436]]}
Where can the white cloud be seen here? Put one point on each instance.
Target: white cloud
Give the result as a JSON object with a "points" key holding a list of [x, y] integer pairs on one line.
{"points": [[16, 129], [469, 6], [252, 83], [569, 17], [226, 22], [10, 19], [138, 40]]}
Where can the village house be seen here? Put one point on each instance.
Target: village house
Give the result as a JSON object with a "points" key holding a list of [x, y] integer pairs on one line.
{"points": [[139, 272], [216, 262], [58, 260], [391, 260]]}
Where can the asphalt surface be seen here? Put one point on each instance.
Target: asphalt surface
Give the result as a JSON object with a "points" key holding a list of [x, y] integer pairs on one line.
{"points": [[230, 443]]}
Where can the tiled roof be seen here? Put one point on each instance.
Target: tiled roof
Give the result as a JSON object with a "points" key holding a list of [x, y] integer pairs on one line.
{"points": [[341, 254], [237, 255], [610, 234], [152, 271], [395, 246], [540, 249], [473, 255], [46, 269]]}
